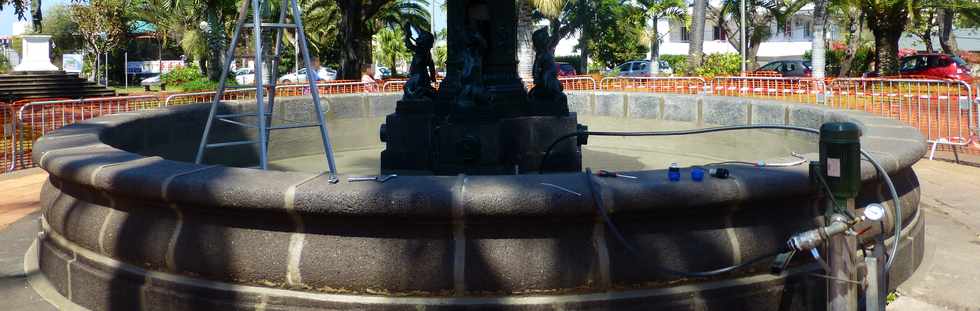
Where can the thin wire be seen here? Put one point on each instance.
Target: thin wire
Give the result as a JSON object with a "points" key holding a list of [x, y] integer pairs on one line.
{"points": [[597, 201], [547, 153], [896, 201]]}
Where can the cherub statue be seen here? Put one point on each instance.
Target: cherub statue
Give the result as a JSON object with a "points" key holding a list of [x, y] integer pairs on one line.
{"points": [[422, 71], [548, 95]]}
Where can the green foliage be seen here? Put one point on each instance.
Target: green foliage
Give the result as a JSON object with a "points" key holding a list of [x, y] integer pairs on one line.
{"points": [[199, 85], [835, 57], [182, 75], [4, 64], [720, 64], [203, 84], [677, 62], [622, 30], [390, 48], [64, 32], [439, 56]]}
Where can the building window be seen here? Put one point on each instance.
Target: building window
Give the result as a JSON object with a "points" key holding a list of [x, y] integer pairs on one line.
{"points": [[685, 34], [719, 33]]}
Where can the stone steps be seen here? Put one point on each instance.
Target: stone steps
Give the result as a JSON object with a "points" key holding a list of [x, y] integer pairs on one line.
{"points": [[48, 84]]}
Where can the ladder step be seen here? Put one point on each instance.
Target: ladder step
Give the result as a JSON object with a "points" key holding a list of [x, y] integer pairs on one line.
{"points": [[294, 126], [232, 143], [270, 25], [237, 123]]}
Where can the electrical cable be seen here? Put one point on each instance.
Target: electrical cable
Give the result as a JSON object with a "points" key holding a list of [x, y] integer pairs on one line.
{"points": [[597, 197], [547, 153], [898, 209], [597, 201]]}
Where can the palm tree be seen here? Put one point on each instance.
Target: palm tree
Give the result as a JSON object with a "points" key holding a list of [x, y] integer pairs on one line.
{"points": [[758, 19], [654, 11], [819, 51], [696, 48], [887, 20], [361, 19], [390, 48]]}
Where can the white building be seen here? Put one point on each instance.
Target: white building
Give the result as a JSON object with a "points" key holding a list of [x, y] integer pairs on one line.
{"points": [[790, 41]]}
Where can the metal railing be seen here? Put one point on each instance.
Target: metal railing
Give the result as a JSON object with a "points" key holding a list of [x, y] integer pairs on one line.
{"points": [[579, 83], [680, 85], [206, 97], [35, 119], [945, 111], [804, 90], [8, 138], [941, 109]]}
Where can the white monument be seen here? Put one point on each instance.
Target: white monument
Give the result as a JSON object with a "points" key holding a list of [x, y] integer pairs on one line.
{"points": [[34, 56]]}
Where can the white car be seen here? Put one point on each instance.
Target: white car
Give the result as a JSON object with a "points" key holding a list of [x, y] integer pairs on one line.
{"points": [[154, 80], [324, 74], [245, 76]]}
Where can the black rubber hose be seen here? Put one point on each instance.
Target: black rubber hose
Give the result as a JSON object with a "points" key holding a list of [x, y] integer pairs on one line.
{"points": [[547, 153]]}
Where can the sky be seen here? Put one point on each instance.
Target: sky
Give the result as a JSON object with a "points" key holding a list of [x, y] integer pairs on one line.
{"points": [[7, 16]]}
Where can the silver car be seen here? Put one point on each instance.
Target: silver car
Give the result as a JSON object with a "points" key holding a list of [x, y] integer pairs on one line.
{"points": [[641, 68]]}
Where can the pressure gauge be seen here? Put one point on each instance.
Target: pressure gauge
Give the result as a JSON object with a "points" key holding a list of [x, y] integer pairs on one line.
{"points": [[874, 211]]}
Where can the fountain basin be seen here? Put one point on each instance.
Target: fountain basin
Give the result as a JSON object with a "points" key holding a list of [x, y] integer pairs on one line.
{"points": [[130, 224]]}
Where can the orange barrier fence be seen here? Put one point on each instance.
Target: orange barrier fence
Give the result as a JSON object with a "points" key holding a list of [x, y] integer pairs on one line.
{"points": [[946, 111], [680, 85], [8, 138]]}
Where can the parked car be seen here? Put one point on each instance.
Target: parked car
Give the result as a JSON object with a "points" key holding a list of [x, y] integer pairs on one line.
{"points": [[324, 74], [641, 68], [381, 73], [245, 76], [151, 81], [939, 66], [565, 70], [789, 68]]}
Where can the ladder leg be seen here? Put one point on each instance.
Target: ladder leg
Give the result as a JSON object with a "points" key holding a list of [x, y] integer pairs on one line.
{"points": [[259, 90], [302, 45], [274, 68], [242, 13]]}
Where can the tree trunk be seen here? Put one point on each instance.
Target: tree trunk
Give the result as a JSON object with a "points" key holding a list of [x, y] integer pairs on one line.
{"points": [[887, 52], [351, 28], [655, 49], [887, 24], [696, 47], [819, 53], [946, 39], [525, 26], [584, 54], [853, 42], [216, 42]]}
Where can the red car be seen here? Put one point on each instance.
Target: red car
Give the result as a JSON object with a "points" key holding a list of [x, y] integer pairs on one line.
{"points": [[939, 66], [565, 70]]}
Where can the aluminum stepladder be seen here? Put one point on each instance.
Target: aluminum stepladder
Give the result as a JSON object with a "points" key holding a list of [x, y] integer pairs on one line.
{"points": [[264, 113]]}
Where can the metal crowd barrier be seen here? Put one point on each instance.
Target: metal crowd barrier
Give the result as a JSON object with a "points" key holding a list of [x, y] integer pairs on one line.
{"points": [[35, 119], [681, 85], [8, 139], [944, 110], [206, 97], [804, 90]]}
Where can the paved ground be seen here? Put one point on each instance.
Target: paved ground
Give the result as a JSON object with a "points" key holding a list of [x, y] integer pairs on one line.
{"points": [[948, 279]]}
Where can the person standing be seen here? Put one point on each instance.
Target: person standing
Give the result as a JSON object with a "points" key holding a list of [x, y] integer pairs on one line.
{"points": [[367, 77]]}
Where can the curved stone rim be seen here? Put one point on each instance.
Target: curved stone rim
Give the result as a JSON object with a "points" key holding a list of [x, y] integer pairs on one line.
{"points": [[79, 154]]}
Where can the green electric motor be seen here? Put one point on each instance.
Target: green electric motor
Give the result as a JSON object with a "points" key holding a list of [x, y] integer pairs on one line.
{"points": [[840, 158]]}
